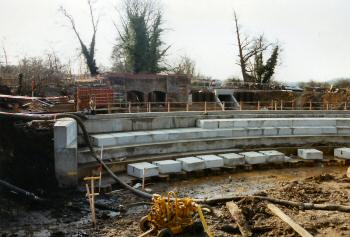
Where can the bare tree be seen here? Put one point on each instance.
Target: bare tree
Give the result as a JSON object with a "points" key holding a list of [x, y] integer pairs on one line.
{"points": [[88, 52], [247, 49]]}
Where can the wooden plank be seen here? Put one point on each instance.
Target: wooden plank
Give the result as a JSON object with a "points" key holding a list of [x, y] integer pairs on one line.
{"points": [[278, 212], [239, 218]]}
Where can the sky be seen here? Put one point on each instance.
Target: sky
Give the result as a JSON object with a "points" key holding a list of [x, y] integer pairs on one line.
{"points": [[314, 34]]}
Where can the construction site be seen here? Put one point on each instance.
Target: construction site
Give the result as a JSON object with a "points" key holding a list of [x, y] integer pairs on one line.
{"points": [[149, 143], [212, 161]]}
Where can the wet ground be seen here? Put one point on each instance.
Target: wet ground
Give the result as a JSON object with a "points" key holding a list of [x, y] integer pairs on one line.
{"points": [[69, 215]]}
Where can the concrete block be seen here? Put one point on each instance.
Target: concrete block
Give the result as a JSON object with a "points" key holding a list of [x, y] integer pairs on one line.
{"points": [[255, 131], [232, 159], [273, 156], [282, 122], [282, 131], [208, 123], [240, 123], [103, 140], [191, 163], [270, 131], [253, 157], [66, 167], [343, 130], [65, 132], [226, 123], [314, 122], [239, 132], [307, 130], [168, 166], [212, 161], [343, 153], [143, 168], [343, 122], [310, 154]]}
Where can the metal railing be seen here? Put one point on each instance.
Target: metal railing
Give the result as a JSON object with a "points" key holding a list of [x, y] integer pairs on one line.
{"points": [[112, 105]]}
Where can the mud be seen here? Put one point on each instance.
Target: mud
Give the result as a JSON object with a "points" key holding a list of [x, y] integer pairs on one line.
{"points": [[68, 214]]}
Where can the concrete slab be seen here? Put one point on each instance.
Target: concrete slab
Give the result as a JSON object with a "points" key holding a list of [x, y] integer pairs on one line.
{"points": [[273, 156], [270, 131], [232, 159], [191, 163], [212, 161], [168, 166], [310, 154], [282, 131], [143, 168], [208, 123], [253, 157], [343, 153]]}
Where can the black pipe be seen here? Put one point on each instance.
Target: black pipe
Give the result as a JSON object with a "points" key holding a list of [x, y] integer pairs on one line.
{"points": [[20, 191]]}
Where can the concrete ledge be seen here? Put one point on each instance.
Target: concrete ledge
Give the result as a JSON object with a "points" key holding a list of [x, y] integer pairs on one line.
{"points": [[180, 146]]}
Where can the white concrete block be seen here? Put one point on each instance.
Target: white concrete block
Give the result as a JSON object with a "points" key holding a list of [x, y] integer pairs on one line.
{"points": [[191, 163], [65, 132], [255, 131], [282, 131], [310, 154], [307, 131], [239, 132], [168, 166], [270, 131], [240, 123], [253, 157], [282, 122], [343, 153], [314, 122], [226, 123], [212, 161], [232, 159], [142, 169], [208, 123], [273, 156]]}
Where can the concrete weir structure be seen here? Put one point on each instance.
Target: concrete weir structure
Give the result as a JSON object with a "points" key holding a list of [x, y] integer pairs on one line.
{"points": [[140, 137]]}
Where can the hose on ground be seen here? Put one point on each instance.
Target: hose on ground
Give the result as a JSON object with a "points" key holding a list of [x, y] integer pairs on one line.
{"points": [[18, 190], [78, 118]]}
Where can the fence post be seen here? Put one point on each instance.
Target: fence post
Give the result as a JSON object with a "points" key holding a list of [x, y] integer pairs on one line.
{"points": [[240, 105], [327, 106], [276, 105], [205, 107], [168, 106], [258, 104], [223, 106], [129, 107], [78, 100], [149, 107], [310, 107], [281, 104]]}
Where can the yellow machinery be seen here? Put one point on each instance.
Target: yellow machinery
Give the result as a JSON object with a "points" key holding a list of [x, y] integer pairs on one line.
{"points": [[171, 215]]}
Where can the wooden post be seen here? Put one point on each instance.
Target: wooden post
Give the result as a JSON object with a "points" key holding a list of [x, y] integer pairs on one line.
{"points": [[205, 107], [129, 107], [148, 106], [281, 104], [310, 106], [275, 105], [78, 100], [143, 180], [168, 106], [258, 104], [187, 107], [239, 218], [93, 202], [223, 106], [278, 212], [241, 105], [327, 106]]}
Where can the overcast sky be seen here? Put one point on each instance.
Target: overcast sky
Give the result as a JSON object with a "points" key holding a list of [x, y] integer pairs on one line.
{"points": [[314, 34]]}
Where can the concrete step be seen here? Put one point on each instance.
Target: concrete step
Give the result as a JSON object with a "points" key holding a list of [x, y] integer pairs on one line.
{"points": [[272, 122], [132, 138], [139, 151]]}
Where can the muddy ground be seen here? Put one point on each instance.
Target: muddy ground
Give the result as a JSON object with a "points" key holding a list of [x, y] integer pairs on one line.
{"points": [[68, 214]]}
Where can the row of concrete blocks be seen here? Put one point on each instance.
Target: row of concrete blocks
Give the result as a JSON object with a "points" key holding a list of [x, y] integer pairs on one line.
{"points": [[129, 138], [145, 169], [272, 122]]}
